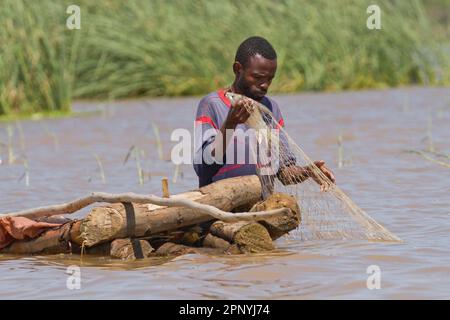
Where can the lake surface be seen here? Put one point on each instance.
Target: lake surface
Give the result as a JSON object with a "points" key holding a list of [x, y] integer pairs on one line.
{"points": [[403, 191]]}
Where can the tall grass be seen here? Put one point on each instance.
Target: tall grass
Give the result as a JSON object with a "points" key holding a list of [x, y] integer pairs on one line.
{"points": [[155, 48], [35, 57]]}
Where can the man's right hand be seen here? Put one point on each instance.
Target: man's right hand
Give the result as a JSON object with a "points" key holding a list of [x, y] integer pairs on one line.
{"points": [[239, 112]]}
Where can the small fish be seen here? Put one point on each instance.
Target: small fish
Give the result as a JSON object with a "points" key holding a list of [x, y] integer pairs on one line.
{"points": [[235, 97]]}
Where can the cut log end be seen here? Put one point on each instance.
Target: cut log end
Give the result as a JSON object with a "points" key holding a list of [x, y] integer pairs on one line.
{"points": [[101, 224], [283, 224], [250, 237], [253, 238]]}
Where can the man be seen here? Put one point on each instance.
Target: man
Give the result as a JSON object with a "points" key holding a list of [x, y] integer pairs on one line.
{"points": [[254, 68]]}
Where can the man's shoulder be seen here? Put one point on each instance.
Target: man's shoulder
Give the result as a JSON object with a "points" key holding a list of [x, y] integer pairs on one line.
{"points": [[271, 104], [271, 100], [210, 98]]}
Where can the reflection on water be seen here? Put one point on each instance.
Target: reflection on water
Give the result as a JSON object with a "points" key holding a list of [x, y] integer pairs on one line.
{"points": [[405, 192]]}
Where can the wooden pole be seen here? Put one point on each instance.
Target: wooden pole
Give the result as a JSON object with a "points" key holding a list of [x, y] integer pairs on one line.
{"points": [[165, 187]]}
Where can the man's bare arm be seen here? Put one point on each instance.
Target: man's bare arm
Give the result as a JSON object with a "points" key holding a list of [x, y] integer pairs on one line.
{"points": [[296, 174]]}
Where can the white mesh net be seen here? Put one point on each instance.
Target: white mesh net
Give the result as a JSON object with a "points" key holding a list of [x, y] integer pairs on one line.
{"points": [[329, 214]]}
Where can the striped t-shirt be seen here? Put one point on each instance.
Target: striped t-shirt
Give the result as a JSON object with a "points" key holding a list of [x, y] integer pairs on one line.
{"points": [[212, 112]]}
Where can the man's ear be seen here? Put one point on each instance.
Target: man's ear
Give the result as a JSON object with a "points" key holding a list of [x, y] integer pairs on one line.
{"points": [[237, 68]]}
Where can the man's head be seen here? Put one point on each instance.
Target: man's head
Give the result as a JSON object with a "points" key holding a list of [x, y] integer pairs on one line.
{"points": [[254, 67]]}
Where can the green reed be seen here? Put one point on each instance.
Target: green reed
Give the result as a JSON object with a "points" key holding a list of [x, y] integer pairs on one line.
{"points": [[11, 153], [100, 168], [156, 48]]}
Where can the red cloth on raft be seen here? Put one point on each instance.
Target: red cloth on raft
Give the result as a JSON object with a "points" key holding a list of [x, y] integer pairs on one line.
{"points": [[20, 228]]}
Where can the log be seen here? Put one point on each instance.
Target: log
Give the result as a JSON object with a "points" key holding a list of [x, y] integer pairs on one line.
{"points": [[170, 248], [107, 223], [250, 237], [221, 245], [281, 224], [64, 239], [174, 249], [192, 236], [104, 224], [234, 249], [130, 249], [211, 241]]}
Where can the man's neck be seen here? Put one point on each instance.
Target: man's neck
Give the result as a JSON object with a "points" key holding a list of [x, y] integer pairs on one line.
{"points": [[235, 89]]}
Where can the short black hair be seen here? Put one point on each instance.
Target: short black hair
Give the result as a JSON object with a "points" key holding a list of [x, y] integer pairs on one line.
{"points": [[252, 46]]}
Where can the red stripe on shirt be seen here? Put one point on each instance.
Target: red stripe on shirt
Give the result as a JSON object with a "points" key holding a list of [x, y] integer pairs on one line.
{"points": [[226, 169], [222, 97], [205, 119], [281, 122]]}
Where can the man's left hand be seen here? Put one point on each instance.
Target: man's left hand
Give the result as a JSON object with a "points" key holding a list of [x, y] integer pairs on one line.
{"points": [[324, 185]]}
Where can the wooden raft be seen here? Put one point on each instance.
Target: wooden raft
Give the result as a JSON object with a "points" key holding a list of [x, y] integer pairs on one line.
{"points": [[138, 230]]}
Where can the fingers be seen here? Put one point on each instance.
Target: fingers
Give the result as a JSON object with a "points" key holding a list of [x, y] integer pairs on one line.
{"points": [[325, 170], [324, 185], [242, 110], [319, 163], [328, 173], [243, 114], [247, 106], [317, 180]]}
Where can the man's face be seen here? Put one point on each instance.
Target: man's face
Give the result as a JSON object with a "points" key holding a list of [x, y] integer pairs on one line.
{"points": [[255, 78]]}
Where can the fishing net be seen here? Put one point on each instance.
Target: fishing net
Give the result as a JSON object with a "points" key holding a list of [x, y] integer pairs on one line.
{"points": [[328, 214]]}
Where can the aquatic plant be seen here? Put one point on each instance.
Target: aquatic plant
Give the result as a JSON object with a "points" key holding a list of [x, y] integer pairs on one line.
{"points": [[160, 48], [100, 167]]}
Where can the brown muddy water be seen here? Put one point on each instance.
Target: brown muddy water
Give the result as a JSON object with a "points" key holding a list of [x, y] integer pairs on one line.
{"points": [[405, 192]]}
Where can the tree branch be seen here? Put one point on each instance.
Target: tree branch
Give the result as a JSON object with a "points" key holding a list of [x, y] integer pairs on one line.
{"points": [[73, 206]]}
